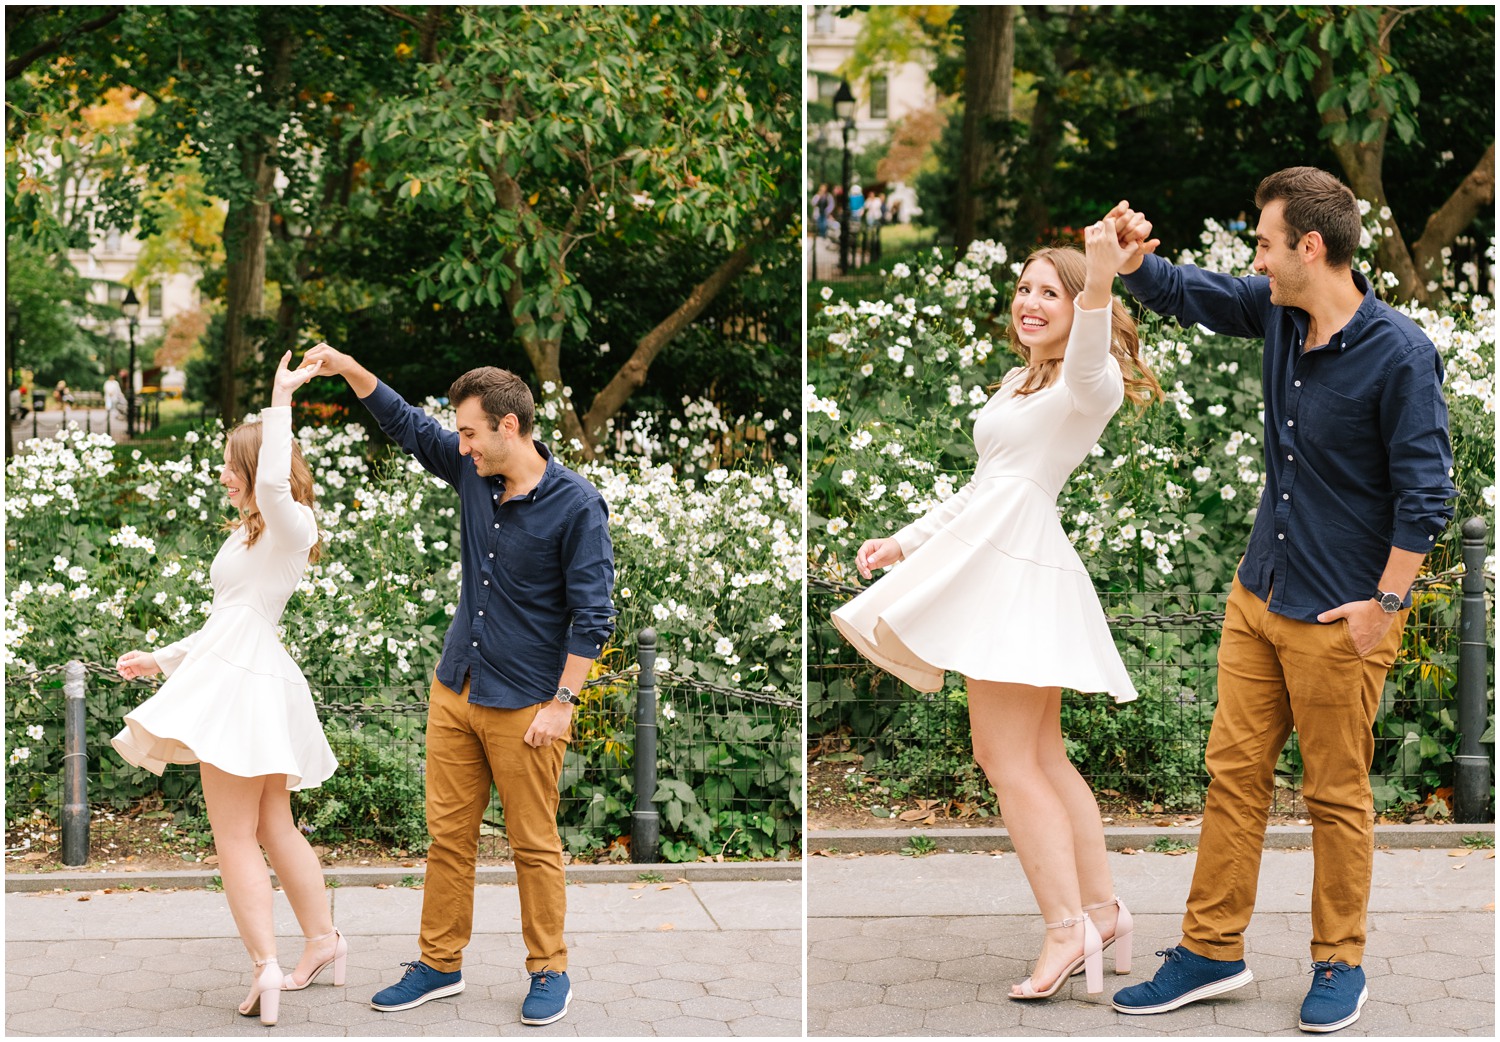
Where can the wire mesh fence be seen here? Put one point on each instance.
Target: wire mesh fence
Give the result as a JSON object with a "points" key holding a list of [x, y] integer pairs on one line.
{"points": [[868, 731], [728, 780]]}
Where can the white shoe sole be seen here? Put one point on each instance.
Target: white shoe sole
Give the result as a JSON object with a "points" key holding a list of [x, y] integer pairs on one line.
{"points": [[1208, 991], [552, 1019], [1320, 1029], [435, 993]]}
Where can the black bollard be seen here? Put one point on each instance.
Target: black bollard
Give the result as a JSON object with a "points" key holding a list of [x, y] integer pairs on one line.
{"points": [[1472, 776], [645, 822], [75, 823]]}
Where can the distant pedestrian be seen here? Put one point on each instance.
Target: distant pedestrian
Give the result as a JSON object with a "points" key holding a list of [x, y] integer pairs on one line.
{"points": [[856, 205], [62, 394], [114, 394], [874, 210], [822, 205]]}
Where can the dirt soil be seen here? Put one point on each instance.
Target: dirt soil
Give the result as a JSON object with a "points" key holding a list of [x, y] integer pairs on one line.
{"points": [[841, 796]]}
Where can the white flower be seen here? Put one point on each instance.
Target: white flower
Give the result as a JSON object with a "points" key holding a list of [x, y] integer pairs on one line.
{"points": [[667, 711], [723, 647], [35, 732], [837, 525], [1227, 492], [826, 293], [19, 754], [1202, 474], [775, 621]]}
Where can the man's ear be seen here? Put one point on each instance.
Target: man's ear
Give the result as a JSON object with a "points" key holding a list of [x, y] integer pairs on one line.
{"points": [[1312, 247]]}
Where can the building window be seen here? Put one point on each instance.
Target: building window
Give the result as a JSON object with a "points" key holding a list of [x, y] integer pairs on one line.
{"points": [[114, 293], [153, 300], [823, 21], [880, 89], [112, 241], [828, 86]]}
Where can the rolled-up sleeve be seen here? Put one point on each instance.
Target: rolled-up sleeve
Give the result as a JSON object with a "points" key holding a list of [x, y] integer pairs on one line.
{"points": [[588, 562], [1414, 427]]}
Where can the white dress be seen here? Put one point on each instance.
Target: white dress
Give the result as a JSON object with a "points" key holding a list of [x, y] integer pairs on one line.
{"points": [[233, 696], [990, 587]]}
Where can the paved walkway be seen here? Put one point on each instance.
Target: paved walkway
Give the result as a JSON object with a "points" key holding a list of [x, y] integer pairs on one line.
{"points": [[673, 958], [47, 423], [930, 946]]}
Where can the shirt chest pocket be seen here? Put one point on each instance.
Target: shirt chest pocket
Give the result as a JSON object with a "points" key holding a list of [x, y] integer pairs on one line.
{"points": [[1330, 419], [529, 563]]}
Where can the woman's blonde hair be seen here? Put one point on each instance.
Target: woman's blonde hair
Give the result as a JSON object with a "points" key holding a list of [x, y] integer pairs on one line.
{"points": [[243, 447], [1141, 387]]}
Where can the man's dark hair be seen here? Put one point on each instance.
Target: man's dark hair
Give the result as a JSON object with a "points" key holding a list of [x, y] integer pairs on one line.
{"points": [[1315, 201], [500, 392]]}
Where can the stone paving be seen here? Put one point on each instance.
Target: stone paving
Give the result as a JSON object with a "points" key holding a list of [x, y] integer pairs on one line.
{"points": [[930, 946], [671, 959]]}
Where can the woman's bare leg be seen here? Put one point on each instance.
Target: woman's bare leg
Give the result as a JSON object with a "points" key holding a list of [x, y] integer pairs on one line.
{"points": [[234, 814], [300, 874], [1007, 722]]}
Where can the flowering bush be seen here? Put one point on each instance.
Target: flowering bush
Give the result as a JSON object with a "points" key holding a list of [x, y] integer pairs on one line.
{"points": [[109, 550], [1166, 499]]}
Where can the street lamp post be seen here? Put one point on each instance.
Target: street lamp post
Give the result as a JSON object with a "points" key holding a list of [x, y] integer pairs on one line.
{"points": [[843, 110], [131, 306]]}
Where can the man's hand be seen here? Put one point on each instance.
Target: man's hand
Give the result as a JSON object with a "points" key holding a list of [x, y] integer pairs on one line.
{"points": [[336, 363], [1368, 623], [1132, 226], [286, 381], [551, 723]]}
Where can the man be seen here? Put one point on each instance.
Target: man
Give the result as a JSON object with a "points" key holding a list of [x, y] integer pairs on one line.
{"points": [[1357, 489], [534, 611]]}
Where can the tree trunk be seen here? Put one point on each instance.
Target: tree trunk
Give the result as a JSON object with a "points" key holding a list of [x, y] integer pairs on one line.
{"points": [[247, 227], [1476, 193], [1032, 213], [989, 64], [632, 374]]}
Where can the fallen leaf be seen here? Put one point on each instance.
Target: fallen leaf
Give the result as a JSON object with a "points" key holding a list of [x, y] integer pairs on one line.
{"points": [[382, 886], [1459, 865], [637, 886], [665, 886], [1459, 853], [925, 817], [1129, 850], [664, 927], [212, 859], [83, 897]]}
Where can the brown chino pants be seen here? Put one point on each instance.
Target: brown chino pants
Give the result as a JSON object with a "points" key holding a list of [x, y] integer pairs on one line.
{"points": [[1276, 673], [468, 747]]}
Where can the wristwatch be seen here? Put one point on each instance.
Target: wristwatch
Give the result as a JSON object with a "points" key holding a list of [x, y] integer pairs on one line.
{"points": [[1390, 603], [567, 695]]}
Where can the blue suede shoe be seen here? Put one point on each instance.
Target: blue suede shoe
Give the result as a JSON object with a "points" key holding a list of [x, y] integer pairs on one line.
{"points": [[548, 998], [420, 983], [1184, 977], [1337, 994]]}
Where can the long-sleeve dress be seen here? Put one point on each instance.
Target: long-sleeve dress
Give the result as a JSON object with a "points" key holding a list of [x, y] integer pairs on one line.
{"points": [[990, 587], [233, 697]]}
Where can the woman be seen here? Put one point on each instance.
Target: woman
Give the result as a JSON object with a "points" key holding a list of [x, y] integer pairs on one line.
{"points": [[236, 704], [994, 590]]}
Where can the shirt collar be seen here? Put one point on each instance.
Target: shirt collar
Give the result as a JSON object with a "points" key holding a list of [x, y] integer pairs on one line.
{"points": [[548, 476], [1342, 339]]}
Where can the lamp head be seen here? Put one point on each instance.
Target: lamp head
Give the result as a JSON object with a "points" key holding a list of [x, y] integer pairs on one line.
{"points": [[131, 305], [843, 102]]}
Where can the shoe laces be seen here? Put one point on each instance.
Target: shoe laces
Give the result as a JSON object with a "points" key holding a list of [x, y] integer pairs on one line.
{"points": [[411, 967], [1171, 954], [1324, 975], [540, 978]]}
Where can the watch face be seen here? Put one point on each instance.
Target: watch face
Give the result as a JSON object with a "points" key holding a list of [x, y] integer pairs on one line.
{"points": [[1390, 602], [566, 695]]}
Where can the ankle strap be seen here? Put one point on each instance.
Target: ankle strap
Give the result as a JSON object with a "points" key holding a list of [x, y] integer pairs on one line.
{"points": [[1102, 904], [265, 962], [1071, 921], [323, 936]]}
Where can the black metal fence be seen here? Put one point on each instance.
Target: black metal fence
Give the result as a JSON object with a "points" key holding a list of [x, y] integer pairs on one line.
{"points": [[725, 776], [871, 737]]}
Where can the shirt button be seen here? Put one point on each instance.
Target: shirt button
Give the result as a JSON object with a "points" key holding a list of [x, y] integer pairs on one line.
{"points": [[481, 614], [486, 582], [1280, 535], [492, 555], [1285, 496], [1296, 383], [1288, 459], [476, 643], [497, 526], [1289, 423]]}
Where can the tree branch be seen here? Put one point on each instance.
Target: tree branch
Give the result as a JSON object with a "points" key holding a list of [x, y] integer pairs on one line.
{"points": [[1476, 193], [19, 65]]}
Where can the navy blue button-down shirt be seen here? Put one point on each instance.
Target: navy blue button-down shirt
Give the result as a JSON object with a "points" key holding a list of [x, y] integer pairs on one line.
{"points": [[1356, 436], [538, 568]]}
